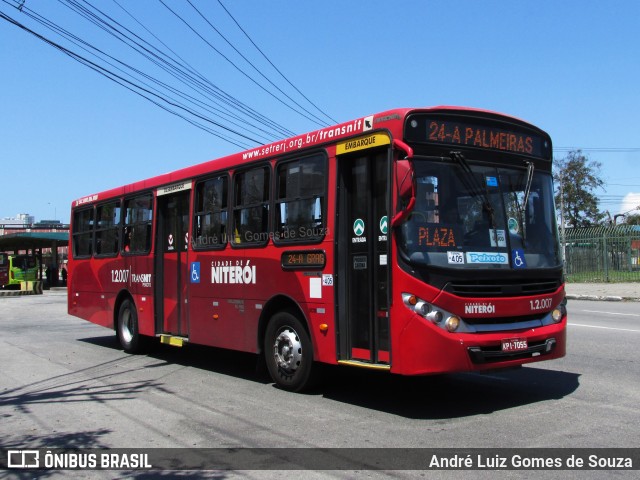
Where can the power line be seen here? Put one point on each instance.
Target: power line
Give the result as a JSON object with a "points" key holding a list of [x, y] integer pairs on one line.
{"points": [[275, 68], [196, 110], [322, 122], [204, 84], [249, 77], [173, 68], [147, 94], [599, 149], [81, 43]]}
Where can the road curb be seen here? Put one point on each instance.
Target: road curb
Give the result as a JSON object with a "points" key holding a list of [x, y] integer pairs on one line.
{"points": [[603, 298], [18, 293]]}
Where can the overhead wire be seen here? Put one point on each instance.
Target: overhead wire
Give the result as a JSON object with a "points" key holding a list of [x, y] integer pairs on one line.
{"points": [[169, 65], [251, 112], [106, 72], [599, 149], [208, 99], [321, 122], [245, 74], [207, 85], [145, 93], [272, 64]]}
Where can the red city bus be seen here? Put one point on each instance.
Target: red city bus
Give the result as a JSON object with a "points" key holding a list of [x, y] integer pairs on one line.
{"points": [[417, 241]]}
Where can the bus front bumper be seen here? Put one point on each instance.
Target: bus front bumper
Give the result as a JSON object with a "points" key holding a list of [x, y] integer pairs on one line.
{"points": [[480, 355]]}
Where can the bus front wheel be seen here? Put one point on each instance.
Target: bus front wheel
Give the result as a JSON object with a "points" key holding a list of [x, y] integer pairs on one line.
{"points": [[288, 352], [127, 328]]}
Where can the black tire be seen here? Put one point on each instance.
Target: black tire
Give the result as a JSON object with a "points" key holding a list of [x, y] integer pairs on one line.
{"points": [[288, 352], [127, 328]]}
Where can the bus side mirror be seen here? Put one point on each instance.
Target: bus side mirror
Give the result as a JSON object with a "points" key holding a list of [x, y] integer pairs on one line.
{"points": [[406, 191], [404, 177]]}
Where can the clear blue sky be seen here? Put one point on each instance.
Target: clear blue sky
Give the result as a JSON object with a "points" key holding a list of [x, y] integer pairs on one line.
{"points": [[570, 67]]}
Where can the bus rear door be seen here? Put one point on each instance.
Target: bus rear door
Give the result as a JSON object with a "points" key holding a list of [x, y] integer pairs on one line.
{"points": [[363, 251], [171, 265]]}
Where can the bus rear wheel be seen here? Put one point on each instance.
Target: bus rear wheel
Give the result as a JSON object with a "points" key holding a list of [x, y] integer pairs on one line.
{"points": [[288, 352], [127, 328]]}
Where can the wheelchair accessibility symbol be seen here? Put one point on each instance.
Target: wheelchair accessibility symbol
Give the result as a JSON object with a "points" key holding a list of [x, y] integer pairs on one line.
{"points": [[517, 258], [195, 272]]}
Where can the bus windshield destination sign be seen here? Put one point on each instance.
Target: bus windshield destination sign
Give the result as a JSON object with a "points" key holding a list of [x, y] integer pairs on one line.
{"points": [[474, 134]]}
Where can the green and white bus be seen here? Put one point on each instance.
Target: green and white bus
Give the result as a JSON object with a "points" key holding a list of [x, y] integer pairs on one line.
{"points": [[22, 268]]}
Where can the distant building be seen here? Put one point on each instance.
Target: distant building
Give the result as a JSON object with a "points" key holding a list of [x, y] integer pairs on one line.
{"points": [[20, 220], [51, 223]]}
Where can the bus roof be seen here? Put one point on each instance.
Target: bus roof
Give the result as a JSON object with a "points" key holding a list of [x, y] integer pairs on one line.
{"points": [[391, 120]]}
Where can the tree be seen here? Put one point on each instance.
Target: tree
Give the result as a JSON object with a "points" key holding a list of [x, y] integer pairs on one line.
{"points": [[576, 178], [633, 219]]}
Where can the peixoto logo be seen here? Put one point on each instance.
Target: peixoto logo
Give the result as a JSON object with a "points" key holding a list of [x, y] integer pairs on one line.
{"points": [[487, 258]]}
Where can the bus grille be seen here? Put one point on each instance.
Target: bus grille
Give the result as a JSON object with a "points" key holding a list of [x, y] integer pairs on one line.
{"points": [[512, 288]]}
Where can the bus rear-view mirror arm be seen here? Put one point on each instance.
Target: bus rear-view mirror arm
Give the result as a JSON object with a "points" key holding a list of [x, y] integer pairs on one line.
{"points": [[405, 182]]}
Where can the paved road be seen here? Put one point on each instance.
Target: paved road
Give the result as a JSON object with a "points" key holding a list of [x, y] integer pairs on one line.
{"points": [[66, 383]]}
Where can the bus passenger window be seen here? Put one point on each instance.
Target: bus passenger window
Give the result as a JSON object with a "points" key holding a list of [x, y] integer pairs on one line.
{"points": [[300, 200], [138, 216], [82, 233], [251, 207], [210, 222], [106, 231]]}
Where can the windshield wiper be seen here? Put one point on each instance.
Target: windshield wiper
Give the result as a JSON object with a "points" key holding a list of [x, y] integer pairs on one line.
{"points": [[527, 188], [522, 209], [472, 184]]}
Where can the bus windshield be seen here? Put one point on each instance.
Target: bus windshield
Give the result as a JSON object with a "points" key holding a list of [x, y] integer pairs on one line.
{"points": [[23, 262], [477, 216]]}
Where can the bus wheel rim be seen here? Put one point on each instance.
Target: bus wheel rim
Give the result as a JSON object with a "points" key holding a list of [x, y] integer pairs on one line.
{"points": [[127, 333], [287, 350]]}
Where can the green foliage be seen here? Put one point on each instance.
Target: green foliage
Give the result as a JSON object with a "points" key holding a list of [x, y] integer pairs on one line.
{"points": [[633, 219], [576, 178]]}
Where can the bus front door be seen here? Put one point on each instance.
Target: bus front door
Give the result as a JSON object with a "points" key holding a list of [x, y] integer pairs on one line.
{"points": [[363, 253], [171, 264]]}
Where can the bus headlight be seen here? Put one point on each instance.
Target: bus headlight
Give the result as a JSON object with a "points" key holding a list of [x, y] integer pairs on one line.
{"points": [[557, 314], [452, 323], [435, 316], [422, 308]]}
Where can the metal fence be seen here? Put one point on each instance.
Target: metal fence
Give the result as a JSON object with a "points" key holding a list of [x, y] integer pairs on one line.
{"points": [[602, 254]]}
